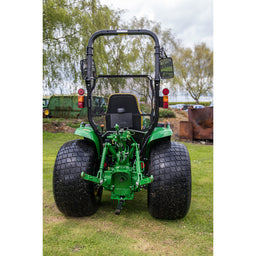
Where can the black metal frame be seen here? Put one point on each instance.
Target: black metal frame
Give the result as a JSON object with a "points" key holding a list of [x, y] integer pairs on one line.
{"points": [[90, 79]]}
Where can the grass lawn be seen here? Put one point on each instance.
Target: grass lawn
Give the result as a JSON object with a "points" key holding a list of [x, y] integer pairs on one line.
{"points": [[134, 232]]}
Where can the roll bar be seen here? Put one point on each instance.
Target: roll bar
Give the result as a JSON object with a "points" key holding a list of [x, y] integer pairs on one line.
{"points": [[89, 49], [90, 80]]}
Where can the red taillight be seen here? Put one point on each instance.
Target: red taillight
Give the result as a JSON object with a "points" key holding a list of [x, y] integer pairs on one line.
{"points": [[165, 105], [165, 98], [80, 104], [81, 91], [142, 165], [80, 101], [165, 91], [81, 98], [105, 165], [165, 101]]}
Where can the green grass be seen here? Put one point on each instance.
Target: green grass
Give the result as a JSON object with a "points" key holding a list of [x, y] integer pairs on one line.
{"points": [[134, 232]]}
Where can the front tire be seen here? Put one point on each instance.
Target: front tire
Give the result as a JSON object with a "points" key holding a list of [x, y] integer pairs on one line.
{"points": [[169, 195], [73, 195], [46, 112]]}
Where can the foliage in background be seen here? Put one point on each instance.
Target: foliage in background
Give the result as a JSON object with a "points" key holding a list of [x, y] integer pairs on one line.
{"points": [[206, 103], [194, 70], [166, 113], [67, 26]]}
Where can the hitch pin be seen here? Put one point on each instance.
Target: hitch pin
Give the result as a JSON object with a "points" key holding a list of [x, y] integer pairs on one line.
{"points": [[119, 207]]}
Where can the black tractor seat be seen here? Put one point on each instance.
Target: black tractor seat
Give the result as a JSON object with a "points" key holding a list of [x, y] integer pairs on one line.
{"points": [[123, 109]]}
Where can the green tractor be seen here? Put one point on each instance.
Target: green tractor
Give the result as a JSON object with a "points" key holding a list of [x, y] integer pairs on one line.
{"points": [[46, 111], [124, 150]]}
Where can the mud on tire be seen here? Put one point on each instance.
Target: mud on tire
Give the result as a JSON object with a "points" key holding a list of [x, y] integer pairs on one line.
{"points": [[73, 195], [170, 193]]}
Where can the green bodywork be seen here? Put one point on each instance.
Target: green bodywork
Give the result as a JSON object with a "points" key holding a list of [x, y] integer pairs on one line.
{"points": [[159, 133], [88, 133], [126, 176]]}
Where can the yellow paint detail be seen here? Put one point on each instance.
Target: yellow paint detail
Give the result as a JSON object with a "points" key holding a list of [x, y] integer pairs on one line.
{"points": [[87, 130]]}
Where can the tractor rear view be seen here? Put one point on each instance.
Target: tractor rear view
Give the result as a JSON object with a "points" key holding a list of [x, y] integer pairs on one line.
{"points": [[124, 149]]}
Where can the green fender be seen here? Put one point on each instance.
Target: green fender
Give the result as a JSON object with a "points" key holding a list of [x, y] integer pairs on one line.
{"points": [[159, 133], [88, 133]]}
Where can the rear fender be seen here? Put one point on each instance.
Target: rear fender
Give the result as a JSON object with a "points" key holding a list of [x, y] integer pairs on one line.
{"points": [[159, 133], [88, 133]]}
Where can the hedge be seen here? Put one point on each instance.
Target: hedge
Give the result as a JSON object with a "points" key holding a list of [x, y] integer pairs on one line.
{"points": [[206, 103]]}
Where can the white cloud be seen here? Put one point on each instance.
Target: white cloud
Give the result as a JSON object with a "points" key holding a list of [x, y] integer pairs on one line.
{"points": [[190, 20]]}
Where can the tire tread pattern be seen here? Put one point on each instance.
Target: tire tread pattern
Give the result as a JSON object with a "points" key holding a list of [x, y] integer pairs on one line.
{"points": [[73, 195], [169, 195]]}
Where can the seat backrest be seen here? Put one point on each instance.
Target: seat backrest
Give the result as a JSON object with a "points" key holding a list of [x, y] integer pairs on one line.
{"points": [[123, 109]]}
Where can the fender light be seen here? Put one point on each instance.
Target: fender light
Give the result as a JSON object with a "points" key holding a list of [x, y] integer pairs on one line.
{"points": [[81, 98], [165, 98], [165, 91], [81, 91], [80, 101]]}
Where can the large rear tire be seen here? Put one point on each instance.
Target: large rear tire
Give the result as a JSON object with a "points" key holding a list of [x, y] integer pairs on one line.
{"points": [[169, 195], [73, 195]]}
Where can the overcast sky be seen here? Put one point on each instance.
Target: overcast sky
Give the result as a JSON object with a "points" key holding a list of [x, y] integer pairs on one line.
{"points": [[190, 20]]}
